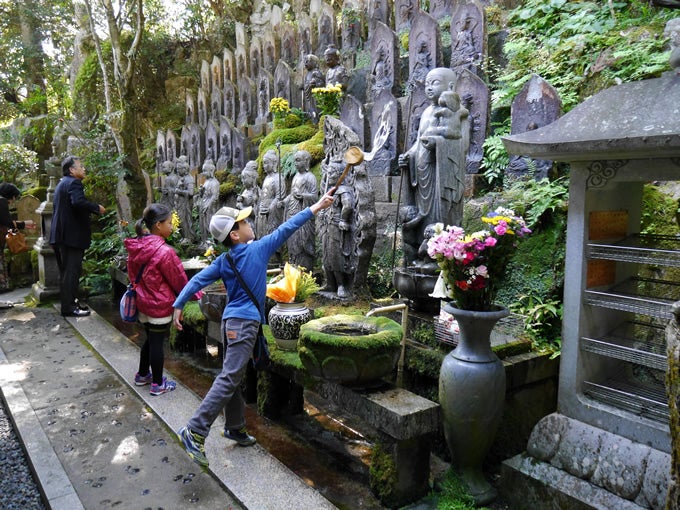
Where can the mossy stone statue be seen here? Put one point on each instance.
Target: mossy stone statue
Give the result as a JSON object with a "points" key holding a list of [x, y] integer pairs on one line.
{"points": [[350, 349]]}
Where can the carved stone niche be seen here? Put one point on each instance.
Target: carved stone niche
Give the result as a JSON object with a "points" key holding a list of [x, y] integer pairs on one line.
{"points": [[474, 96], [384, 71], [230, 101], [246, 89], [190, 109], [306, 36], [196, 147], [171, 145], [468, 37], [216, 73], [202, 102], [424, 53], [289, 44], [211, 142], [216, 105], [284, 86], [228, 72], [269, 52], [326, 30], [205, 76], [161, 150], [352, 114], [255, 57], [224, 159], [385, 116]]}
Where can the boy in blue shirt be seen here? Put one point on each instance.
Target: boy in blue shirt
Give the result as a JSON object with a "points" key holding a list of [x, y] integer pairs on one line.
{"points": [[240, 319]]}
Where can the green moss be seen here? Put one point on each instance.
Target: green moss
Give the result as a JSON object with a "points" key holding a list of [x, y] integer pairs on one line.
{"points": [[424, 362], [287, 136], [193, 315], [39, 192], [314, 145], [512, 349], [377, 332], [382, 473]]}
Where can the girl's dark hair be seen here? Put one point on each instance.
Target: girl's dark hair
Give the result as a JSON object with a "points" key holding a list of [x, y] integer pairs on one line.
{"points": [[152, 215], [9, 191]]}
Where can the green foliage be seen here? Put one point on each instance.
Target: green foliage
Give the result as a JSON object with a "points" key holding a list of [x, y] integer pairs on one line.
{"points": [[88, 86], [660, 212], [543, 321], [580, 47], [18, 165], [424, 333], [382, 473], [495, 159], [538, 199], [454, 495], [230, 186], [380, 272]]}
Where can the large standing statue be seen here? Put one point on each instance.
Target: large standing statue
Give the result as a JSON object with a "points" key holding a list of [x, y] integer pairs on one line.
{"points": [[336, 73], [250, 196], [169, 184], [313, 79], [184, 197], [338, 229], [436, 161], [270, 211], [303, 193], [209, 194]]}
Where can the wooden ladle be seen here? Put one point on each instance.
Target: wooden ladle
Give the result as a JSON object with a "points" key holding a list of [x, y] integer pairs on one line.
{"points": [[354, 156]]}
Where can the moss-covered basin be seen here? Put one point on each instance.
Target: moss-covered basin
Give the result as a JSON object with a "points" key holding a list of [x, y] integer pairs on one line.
{"points": [[350, 349]]}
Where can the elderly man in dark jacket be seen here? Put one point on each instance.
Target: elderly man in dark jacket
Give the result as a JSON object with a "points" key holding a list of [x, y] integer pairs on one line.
{"points": [[70, 234]]}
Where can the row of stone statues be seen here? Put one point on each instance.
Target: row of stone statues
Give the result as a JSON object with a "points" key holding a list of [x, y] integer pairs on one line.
{"points": [[433, 169]]}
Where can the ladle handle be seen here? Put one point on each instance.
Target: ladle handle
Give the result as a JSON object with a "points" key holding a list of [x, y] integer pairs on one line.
{"points": [[342, 177]]}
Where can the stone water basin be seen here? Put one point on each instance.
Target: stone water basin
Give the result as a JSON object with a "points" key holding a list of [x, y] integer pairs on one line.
{"points": [[350, 349]]}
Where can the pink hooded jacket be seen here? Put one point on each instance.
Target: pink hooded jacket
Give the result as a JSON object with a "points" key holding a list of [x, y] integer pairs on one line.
{"points": [[163, 277]]}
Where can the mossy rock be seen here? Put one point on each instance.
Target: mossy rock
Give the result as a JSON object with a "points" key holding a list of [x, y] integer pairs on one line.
{"points": [[350, 349]]}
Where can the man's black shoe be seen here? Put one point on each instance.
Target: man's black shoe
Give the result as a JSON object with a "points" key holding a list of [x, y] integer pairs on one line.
{"points": [[81, 306], [77, 313]]}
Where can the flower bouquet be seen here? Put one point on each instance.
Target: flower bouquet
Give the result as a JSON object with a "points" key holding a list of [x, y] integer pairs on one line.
{"points": [[293, 286], [472, 264], [328, 99], [279, 109]]}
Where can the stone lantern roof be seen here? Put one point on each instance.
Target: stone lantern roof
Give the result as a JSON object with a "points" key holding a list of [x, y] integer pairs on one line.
{"points": [[629, 121]]}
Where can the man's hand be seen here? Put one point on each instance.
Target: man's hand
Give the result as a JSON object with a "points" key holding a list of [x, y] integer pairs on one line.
{"points": [[102, 209]]}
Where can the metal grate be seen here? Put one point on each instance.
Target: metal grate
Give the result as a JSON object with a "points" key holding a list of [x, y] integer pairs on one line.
{"points": [[648, 401], [508, 329], [638, 295], [626, 349], [640, 248]]}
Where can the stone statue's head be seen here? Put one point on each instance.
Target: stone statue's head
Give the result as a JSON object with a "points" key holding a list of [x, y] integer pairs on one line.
{"points": [[249, 174], [208, 167], [332, 56], [437, 81], [270, 161], [311, 62], [302, 161], [182, 165], [167, 167]]}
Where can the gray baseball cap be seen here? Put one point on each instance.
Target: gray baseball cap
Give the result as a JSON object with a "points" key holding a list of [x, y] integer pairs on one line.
{"points": [[223, 221]]}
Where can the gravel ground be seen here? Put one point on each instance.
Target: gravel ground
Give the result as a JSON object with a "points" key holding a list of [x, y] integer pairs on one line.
{"points": [[18, 490]]}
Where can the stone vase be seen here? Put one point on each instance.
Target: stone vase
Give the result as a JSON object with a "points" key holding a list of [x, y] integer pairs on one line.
{"points": [[285, 320], [471, 395]]}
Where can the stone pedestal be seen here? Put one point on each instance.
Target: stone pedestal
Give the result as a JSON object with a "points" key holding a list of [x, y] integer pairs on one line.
{"points": [[47, 285]]}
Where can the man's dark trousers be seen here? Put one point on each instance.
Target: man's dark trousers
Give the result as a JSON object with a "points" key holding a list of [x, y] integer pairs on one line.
{"points": [[70, 265]]}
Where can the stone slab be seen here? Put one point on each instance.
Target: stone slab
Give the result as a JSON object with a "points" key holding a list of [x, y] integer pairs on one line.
{"points": [[394, 411], [529, 483]]}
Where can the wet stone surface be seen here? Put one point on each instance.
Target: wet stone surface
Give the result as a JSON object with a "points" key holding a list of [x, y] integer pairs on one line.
{"points": [[88, 413]]}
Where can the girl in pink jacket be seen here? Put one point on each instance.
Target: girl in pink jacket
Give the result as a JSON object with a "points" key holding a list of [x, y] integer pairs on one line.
{"points": [[162, 278]]}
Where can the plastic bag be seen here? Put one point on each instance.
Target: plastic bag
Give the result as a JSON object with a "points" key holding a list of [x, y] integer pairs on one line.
{"points": [[128, 305], [283, 290]]}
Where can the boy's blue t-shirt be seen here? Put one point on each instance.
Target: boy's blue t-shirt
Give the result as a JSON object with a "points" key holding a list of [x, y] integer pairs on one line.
{"points": [[251, 261]]}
